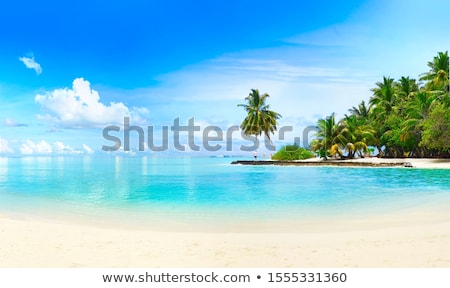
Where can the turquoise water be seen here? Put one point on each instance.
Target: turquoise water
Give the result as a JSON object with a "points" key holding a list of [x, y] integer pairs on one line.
{"points": [[179, 189]]}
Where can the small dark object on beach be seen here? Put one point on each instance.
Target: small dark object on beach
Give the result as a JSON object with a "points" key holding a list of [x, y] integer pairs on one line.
{"points": [[408, 165]]}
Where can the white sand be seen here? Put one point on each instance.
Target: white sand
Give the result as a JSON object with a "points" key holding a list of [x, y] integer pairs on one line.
{"points": [[416, 162], [419, 239]]}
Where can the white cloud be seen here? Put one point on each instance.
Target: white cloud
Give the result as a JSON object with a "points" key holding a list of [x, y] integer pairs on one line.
{"points": [[59, 147], [81, 107], [31, 64], [120, 151], [4, 146], [29, 147], [26, 149], [88, 149]]}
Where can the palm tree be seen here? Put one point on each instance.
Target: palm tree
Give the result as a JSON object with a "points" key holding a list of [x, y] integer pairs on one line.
{"points": [[326, 142], [361, 112], [381, 104], [438, 75], [384, 97], [417, 110], [355, 136], [406, 87], [260, 119]]}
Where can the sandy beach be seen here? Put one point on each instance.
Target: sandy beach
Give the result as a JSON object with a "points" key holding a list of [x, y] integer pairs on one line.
{"points": [[416, 239], [420, 163]]}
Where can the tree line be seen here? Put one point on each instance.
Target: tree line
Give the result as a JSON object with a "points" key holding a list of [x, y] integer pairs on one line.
{"points": [[403, 118]]}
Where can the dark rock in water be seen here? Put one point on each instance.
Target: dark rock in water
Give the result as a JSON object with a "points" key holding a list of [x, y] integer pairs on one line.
{"points": [[343, 163]]}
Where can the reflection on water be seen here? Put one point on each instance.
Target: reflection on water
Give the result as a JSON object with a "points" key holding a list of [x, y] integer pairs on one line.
{"points": [[87, 162], [60, 166], [117, 164], [36, 167], [207, 186]]}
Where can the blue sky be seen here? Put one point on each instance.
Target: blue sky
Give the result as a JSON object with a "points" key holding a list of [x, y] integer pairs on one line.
{"points": [[69, 69]]}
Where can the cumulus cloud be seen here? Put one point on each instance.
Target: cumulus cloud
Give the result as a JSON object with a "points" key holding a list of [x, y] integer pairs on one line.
{"points": [[30, 63], [59, 147], [80, 107], [88, 149], [29, 147], [12, 123], [4, 146]]}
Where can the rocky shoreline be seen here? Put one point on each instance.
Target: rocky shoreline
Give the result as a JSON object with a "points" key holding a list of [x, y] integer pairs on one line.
{"points": [[347, 163]]}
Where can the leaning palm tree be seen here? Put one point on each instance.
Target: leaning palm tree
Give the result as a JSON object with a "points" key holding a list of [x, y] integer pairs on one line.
{"points": [[260, 119]]}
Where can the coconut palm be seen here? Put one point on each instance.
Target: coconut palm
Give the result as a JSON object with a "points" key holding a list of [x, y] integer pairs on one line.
{"points": [[361, 112], [260, 119], [355, 136], [406, 87], [417, 110], [326, 142], [382, 104], [384, 97], [437, 77], [404, 118]]}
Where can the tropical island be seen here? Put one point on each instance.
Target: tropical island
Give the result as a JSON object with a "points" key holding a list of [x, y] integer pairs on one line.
{"points": [[405, 118], [101, 120]]}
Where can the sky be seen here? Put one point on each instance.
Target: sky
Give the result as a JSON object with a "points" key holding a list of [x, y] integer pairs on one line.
{"points": [[69, 69]]}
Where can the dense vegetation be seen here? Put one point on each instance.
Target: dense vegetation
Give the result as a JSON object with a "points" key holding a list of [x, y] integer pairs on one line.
{"points": [[292, 152], [404, 118]]}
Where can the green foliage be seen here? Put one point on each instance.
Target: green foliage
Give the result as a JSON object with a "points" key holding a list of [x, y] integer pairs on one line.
{"points": [[326, 136], [292, 152], [404, 118], [436, 134], [260, 119], [350, 136]]}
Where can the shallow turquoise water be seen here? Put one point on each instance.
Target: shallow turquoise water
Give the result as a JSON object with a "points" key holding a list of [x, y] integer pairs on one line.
{"points": [[207, 188]]}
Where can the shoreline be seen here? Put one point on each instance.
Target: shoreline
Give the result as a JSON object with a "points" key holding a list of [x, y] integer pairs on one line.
{"points": [[414, 234], [420, 163], [415, 238]]}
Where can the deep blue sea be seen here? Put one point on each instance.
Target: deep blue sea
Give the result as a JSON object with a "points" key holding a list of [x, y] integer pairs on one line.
{"points": [[156, 189]]}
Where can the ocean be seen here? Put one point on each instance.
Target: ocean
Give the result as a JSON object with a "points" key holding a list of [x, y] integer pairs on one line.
{"points": [[162, 191]]}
